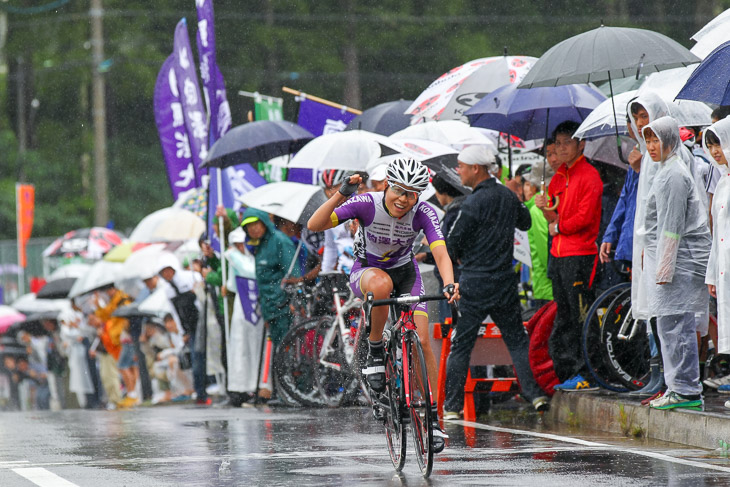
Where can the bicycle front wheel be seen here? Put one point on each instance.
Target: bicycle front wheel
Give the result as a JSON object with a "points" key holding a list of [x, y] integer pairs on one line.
{"points": [[420, 409], [394, 429]]}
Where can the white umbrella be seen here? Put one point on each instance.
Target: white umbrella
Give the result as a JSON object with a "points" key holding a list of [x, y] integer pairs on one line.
{"points": [[716, 32], [69, 270], [667, 84], [603, 149], [295, 202], [448, 97], [600, 122], [351, 150], [168, 225], [29, 303], [453, 133], [142, 264], [102, 273], [157, 303]]}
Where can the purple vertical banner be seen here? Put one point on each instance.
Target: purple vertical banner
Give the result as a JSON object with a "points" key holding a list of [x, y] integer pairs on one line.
{"points": [[171, 128], [322, 119], [248, 293], [196, 121]]}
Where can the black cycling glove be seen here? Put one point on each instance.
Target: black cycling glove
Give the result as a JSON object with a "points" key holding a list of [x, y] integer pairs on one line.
{"points": [[347, 188]]}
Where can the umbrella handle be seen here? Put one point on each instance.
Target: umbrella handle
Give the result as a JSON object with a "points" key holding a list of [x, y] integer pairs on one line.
{"points": [[555, 206]]}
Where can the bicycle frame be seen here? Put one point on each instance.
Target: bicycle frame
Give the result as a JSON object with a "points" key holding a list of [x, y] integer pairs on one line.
{"points": [[341, 311]]}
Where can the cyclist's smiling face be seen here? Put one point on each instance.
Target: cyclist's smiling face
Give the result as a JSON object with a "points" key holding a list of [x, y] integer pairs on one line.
{"points": [[400, 199]]}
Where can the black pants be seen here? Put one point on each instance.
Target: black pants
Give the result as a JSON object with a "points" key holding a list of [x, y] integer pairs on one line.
{"points": [[477, 302], [574, 293]]}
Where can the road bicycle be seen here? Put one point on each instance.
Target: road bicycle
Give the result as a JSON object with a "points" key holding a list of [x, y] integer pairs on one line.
{"points": [[342, 345], [407, 399]]}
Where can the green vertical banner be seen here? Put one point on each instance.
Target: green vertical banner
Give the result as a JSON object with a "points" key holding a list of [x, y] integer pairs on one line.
{"points": [[270, 109]]}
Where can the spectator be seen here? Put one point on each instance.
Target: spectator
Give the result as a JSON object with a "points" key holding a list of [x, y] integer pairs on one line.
{"points": [[274, 253], [542, 290], [574, 227], [482, 239], [109, 331], [678, 243], [72, 336], [378, 178], [182, 294], [247, 330], [717, 144]]}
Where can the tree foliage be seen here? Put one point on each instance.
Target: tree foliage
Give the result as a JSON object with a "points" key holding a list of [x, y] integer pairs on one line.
{"points": [[401, 46]]}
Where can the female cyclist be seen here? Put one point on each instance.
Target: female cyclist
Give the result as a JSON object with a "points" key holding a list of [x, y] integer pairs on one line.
{"points": [[389, 224]]}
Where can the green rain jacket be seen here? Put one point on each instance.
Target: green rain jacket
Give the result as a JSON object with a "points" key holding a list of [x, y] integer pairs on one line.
{"points": [[542, 287], [273, 254]]}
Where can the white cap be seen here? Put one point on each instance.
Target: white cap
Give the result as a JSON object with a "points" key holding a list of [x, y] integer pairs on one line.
{"points": [[378, 173], [237, 236], [478, 154]]}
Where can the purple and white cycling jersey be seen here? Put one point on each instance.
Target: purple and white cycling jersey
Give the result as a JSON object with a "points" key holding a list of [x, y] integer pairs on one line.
{"points": [[382, 240]]}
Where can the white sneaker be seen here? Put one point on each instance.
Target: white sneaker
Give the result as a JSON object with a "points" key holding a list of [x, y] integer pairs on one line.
{"points": [[727, 404], [717, 381]]}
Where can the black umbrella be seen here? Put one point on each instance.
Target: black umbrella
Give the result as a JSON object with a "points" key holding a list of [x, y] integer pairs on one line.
{"points": [[56, 289], [605, 54], [384, 119], [255, 142]]}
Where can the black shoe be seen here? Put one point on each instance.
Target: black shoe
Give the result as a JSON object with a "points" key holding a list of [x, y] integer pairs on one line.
{"points": [[439, 438], [374, 372]]}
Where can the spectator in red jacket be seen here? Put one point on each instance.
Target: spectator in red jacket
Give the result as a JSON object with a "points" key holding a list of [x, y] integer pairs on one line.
{"points": [[575, 193]]}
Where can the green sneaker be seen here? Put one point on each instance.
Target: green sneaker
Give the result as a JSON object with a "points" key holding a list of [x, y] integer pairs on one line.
{"points": [[672, 400]]}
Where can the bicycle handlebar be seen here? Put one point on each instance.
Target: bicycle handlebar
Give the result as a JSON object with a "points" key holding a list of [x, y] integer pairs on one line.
{"points": [[415, 299]]}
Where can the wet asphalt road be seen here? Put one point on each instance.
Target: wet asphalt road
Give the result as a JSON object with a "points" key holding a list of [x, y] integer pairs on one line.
{"points": [[184, 445]]}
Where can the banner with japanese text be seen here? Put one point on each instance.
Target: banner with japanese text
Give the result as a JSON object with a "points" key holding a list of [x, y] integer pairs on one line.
{"points": [[171, 128], [196, 121], [322, 119], [25, 207]]}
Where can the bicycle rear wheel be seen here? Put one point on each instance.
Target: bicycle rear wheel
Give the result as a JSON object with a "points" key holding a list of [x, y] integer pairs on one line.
{"points": [[332, 372], [394, 428], [593, 347], [294, 364], [420, 407], [627, 360]]}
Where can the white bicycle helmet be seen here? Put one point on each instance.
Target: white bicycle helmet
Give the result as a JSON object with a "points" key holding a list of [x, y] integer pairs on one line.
{"points": [[408, 172]]}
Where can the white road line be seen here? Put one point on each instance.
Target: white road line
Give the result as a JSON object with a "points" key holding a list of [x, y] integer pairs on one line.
{"points": [[577, 441], [43, 478]]}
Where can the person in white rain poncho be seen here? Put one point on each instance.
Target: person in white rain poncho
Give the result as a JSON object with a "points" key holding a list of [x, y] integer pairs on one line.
{"points": [[247, 326], [716, 141], [677, 246]]}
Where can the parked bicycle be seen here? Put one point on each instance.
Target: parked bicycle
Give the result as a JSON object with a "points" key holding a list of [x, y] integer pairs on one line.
{"points": [[407, 399]]}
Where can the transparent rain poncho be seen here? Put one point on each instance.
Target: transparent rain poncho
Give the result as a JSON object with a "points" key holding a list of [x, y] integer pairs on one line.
{"points": [[677, 237], [656, 108], [719, 263]]}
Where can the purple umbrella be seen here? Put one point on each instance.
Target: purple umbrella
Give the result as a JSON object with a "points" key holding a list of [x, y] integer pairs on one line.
{"points": [[533, 113], [709, 82]]}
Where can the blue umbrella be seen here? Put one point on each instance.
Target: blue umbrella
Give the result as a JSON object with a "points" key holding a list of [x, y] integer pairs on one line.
{"points": [[525, 112], [384, 119], [255, 142], [710, 81]]}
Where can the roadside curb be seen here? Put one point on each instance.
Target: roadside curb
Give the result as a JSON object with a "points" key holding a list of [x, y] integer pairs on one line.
{"points": [[612, 413]]}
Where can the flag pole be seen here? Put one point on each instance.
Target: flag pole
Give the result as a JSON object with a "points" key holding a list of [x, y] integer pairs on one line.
{"points": [[222, 238], [321, 100]]}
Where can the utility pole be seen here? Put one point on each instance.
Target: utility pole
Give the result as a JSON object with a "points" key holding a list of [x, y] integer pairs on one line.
{"points": [[98, 107], [22, 136]]}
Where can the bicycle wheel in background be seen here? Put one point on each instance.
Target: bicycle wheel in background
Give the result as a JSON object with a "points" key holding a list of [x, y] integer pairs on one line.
{"points": [[420, 410], [359, 338], [294, 364], [626, 359], [592, 345], [333, 372], [394, 428]]}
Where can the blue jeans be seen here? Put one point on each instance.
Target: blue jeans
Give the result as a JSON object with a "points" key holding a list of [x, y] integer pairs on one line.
{"points": [[507, 317]]}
